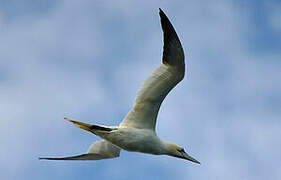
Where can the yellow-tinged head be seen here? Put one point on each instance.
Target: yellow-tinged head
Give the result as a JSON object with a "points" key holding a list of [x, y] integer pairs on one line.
{"points": [[179, 152], [173, 146]]}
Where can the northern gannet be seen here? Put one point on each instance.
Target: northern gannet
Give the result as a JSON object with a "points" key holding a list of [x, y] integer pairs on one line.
{"points": [[137, 130]]}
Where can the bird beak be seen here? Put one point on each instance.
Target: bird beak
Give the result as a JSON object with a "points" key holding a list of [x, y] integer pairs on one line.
{"points": [[187, 157]]}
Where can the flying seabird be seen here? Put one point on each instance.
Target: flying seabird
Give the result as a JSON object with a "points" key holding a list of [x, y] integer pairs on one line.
{"points": [[137, 130]]}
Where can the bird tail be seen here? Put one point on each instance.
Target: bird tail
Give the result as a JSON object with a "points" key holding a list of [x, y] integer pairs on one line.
{"points": [[88, 127]]}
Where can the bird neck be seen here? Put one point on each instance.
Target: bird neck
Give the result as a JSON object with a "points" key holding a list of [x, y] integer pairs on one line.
{"points": [[170, 148]]}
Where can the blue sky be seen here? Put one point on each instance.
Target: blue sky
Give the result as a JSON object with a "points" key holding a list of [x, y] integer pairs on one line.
{"points": [[87, 59]]}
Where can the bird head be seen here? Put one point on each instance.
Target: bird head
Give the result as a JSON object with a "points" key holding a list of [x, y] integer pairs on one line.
{"points": [[179, 152]]}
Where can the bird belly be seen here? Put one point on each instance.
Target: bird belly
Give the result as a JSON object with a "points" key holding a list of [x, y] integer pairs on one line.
{"points": [[137, 140]]}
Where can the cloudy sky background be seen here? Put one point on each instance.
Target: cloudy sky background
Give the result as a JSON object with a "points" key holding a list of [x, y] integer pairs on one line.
{"points": [[87, 59]]}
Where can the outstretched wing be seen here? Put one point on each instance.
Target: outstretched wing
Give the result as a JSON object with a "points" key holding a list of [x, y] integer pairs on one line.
{"points": [[101, 149], [162, 80]]}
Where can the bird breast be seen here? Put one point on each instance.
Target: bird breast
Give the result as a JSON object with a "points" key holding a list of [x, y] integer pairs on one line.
{"points": [[138, 140]]}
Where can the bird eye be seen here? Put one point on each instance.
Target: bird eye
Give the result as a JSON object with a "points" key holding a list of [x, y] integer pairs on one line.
{"points": [[181, 150]]}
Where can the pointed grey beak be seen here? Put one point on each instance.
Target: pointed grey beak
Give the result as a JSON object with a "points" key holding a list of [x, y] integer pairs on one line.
{"points": [[187, 157]]}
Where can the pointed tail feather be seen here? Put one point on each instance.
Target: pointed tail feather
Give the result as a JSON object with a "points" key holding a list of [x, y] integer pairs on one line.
{"points": [[88, 127], [81, 125]]}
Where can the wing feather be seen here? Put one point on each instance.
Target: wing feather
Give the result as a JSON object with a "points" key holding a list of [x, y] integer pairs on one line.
{"points": [[162, 80], [101, 149]]}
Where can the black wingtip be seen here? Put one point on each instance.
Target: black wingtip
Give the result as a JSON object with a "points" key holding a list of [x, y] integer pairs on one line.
{"points": [[40, 158], [52, 158], [162, 14], [47, 158], [172, 45], [165, 22]]}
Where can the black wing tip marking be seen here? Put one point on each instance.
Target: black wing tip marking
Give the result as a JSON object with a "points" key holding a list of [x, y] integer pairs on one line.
{"points": [[42, 158], [161, 11], [56, 158], [170, 40], [45, 158], [165, 22], [81, 157]]}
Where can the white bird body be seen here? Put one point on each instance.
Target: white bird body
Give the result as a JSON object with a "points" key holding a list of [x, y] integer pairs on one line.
{"points": [[137, 130], [135, 139]]}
